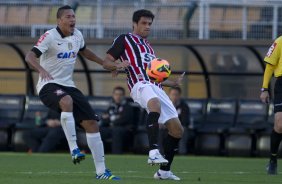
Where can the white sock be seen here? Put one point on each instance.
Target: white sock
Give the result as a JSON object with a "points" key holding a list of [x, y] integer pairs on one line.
{"points": [[68, 125], [96, 146]]}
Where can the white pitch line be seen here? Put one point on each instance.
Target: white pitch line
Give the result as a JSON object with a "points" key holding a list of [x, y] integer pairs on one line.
{"points": [[125, 172], [215, 172], [80, 172]]}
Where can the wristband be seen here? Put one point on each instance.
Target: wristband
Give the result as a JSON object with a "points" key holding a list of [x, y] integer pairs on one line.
{"points": [[264, 89]]}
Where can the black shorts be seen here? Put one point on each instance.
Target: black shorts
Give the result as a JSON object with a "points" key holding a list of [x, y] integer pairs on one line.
{"points": [[278, 95], [52, 93]]}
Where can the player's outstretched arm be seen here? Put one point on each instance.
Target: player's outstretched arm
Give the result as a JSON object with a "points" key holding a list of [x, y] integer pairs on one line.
{"points": [[109, 63], [174, 83], [91, 56], [170, 83], [31, 59]]}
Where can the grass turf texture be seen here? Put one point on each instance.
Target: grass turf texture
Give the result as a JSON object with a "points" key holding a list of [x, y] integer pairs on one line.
{"points": [[21, 168]]}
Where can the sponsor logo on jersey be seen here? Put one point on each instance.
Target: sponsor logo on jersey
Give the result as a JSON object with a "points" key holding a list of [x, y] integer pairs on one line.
{"points": [[147, 57], [271, 49], [42, 37], [66, 55]]}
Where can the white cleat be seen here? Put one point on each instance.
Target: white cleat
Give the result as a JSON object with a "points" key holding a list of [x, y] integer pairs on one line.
{"points": [[165, 175], [157, 159]]}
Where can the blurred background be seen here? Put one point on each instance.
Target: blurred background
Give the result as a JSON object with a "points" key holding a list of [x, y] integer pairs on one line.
{"points": [[220, 44]]}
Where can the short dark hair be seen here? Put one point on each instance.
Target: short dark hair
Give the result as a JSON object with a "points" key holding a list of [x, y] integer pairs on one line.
{"points": [[176, 88], [61, 10], [142, 13], [119, 88]]}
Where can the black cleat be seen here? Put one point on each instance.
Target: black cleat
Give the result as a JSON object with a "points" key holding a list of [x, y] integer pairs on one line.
{"points": [[271, 168]]}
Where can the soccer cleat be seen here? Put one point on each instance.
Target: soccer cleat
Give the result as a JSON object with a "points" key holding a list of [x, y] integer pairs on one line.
{"points": [[77, 156], [271, 168], [165, 175], [107, 175], [157, 159]]}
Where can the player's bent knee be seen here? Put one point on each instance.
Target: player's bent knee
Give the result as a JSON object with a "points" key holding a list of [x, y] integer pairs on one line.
{"points": [[90, 126], [154, 105], [278, 122], [177, 131], [66, 103], [278, 127], [175, 128], [177, 135]]}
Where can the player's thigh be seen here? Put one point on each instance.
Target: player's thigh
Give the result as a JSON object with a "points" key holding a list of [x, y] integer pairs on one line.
{"points": [[278, 122], [143, 94], [278, 95], [278, 108], [81, 108], [51, 94], [168, 110]]}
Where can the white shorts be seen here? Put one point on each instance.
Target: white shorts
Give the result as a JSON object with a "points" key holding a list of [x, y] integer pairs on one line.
{"points": [[143, 91]]}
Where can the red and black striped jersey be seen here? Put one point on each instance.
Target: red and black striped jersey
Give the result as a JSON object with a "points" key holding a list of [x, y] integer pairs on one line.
{"points": [[138, 52]]}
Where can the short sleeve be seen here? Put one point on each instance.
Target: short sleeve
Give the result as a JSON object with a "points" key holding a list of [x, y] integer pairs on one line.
{"points": [[273, 55], [43, 43], [82, 42], [118, 47]]}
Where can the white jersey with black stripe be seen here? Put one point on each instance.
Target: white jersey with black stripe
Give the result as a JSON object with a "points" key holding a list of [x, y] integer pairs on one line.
{"points": [[58, 56]]}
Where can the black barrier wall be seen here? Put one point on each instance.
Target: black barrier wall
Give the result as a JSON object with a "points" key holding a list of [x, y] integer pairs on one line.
{"points": [[213, 69]]}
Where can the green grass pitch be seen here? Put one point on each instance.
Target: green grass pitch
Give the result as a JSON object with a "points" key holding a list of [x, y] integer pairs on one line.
{"points": [[21, 168]]}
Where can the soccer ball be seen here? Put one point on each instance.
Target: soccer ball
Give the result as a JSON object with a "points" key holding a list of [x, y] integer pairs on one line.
{"points": [[158, 70]]}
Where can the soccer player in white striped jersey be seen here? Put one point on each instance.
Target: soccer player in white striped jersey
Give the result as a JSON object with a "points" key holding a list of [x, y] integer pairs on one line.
{"points": [[135, 50], [57, 50]]}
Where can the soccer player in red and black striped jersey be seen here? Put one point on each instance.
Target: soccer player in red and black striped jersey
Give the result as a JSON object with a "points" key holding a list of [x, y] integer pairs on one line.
{"points": [[134, 50]]}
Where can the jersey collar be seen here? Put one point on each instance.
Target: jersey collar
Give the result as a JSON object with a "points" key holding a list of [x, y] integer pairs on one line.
{"points": [[138, 36], [60, 32]]}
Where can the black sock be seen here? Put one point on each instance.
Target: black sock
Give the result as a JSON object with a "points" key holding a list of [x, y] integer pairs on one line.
{"points": [[275, 140], [153, 129], [170, 145]]}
